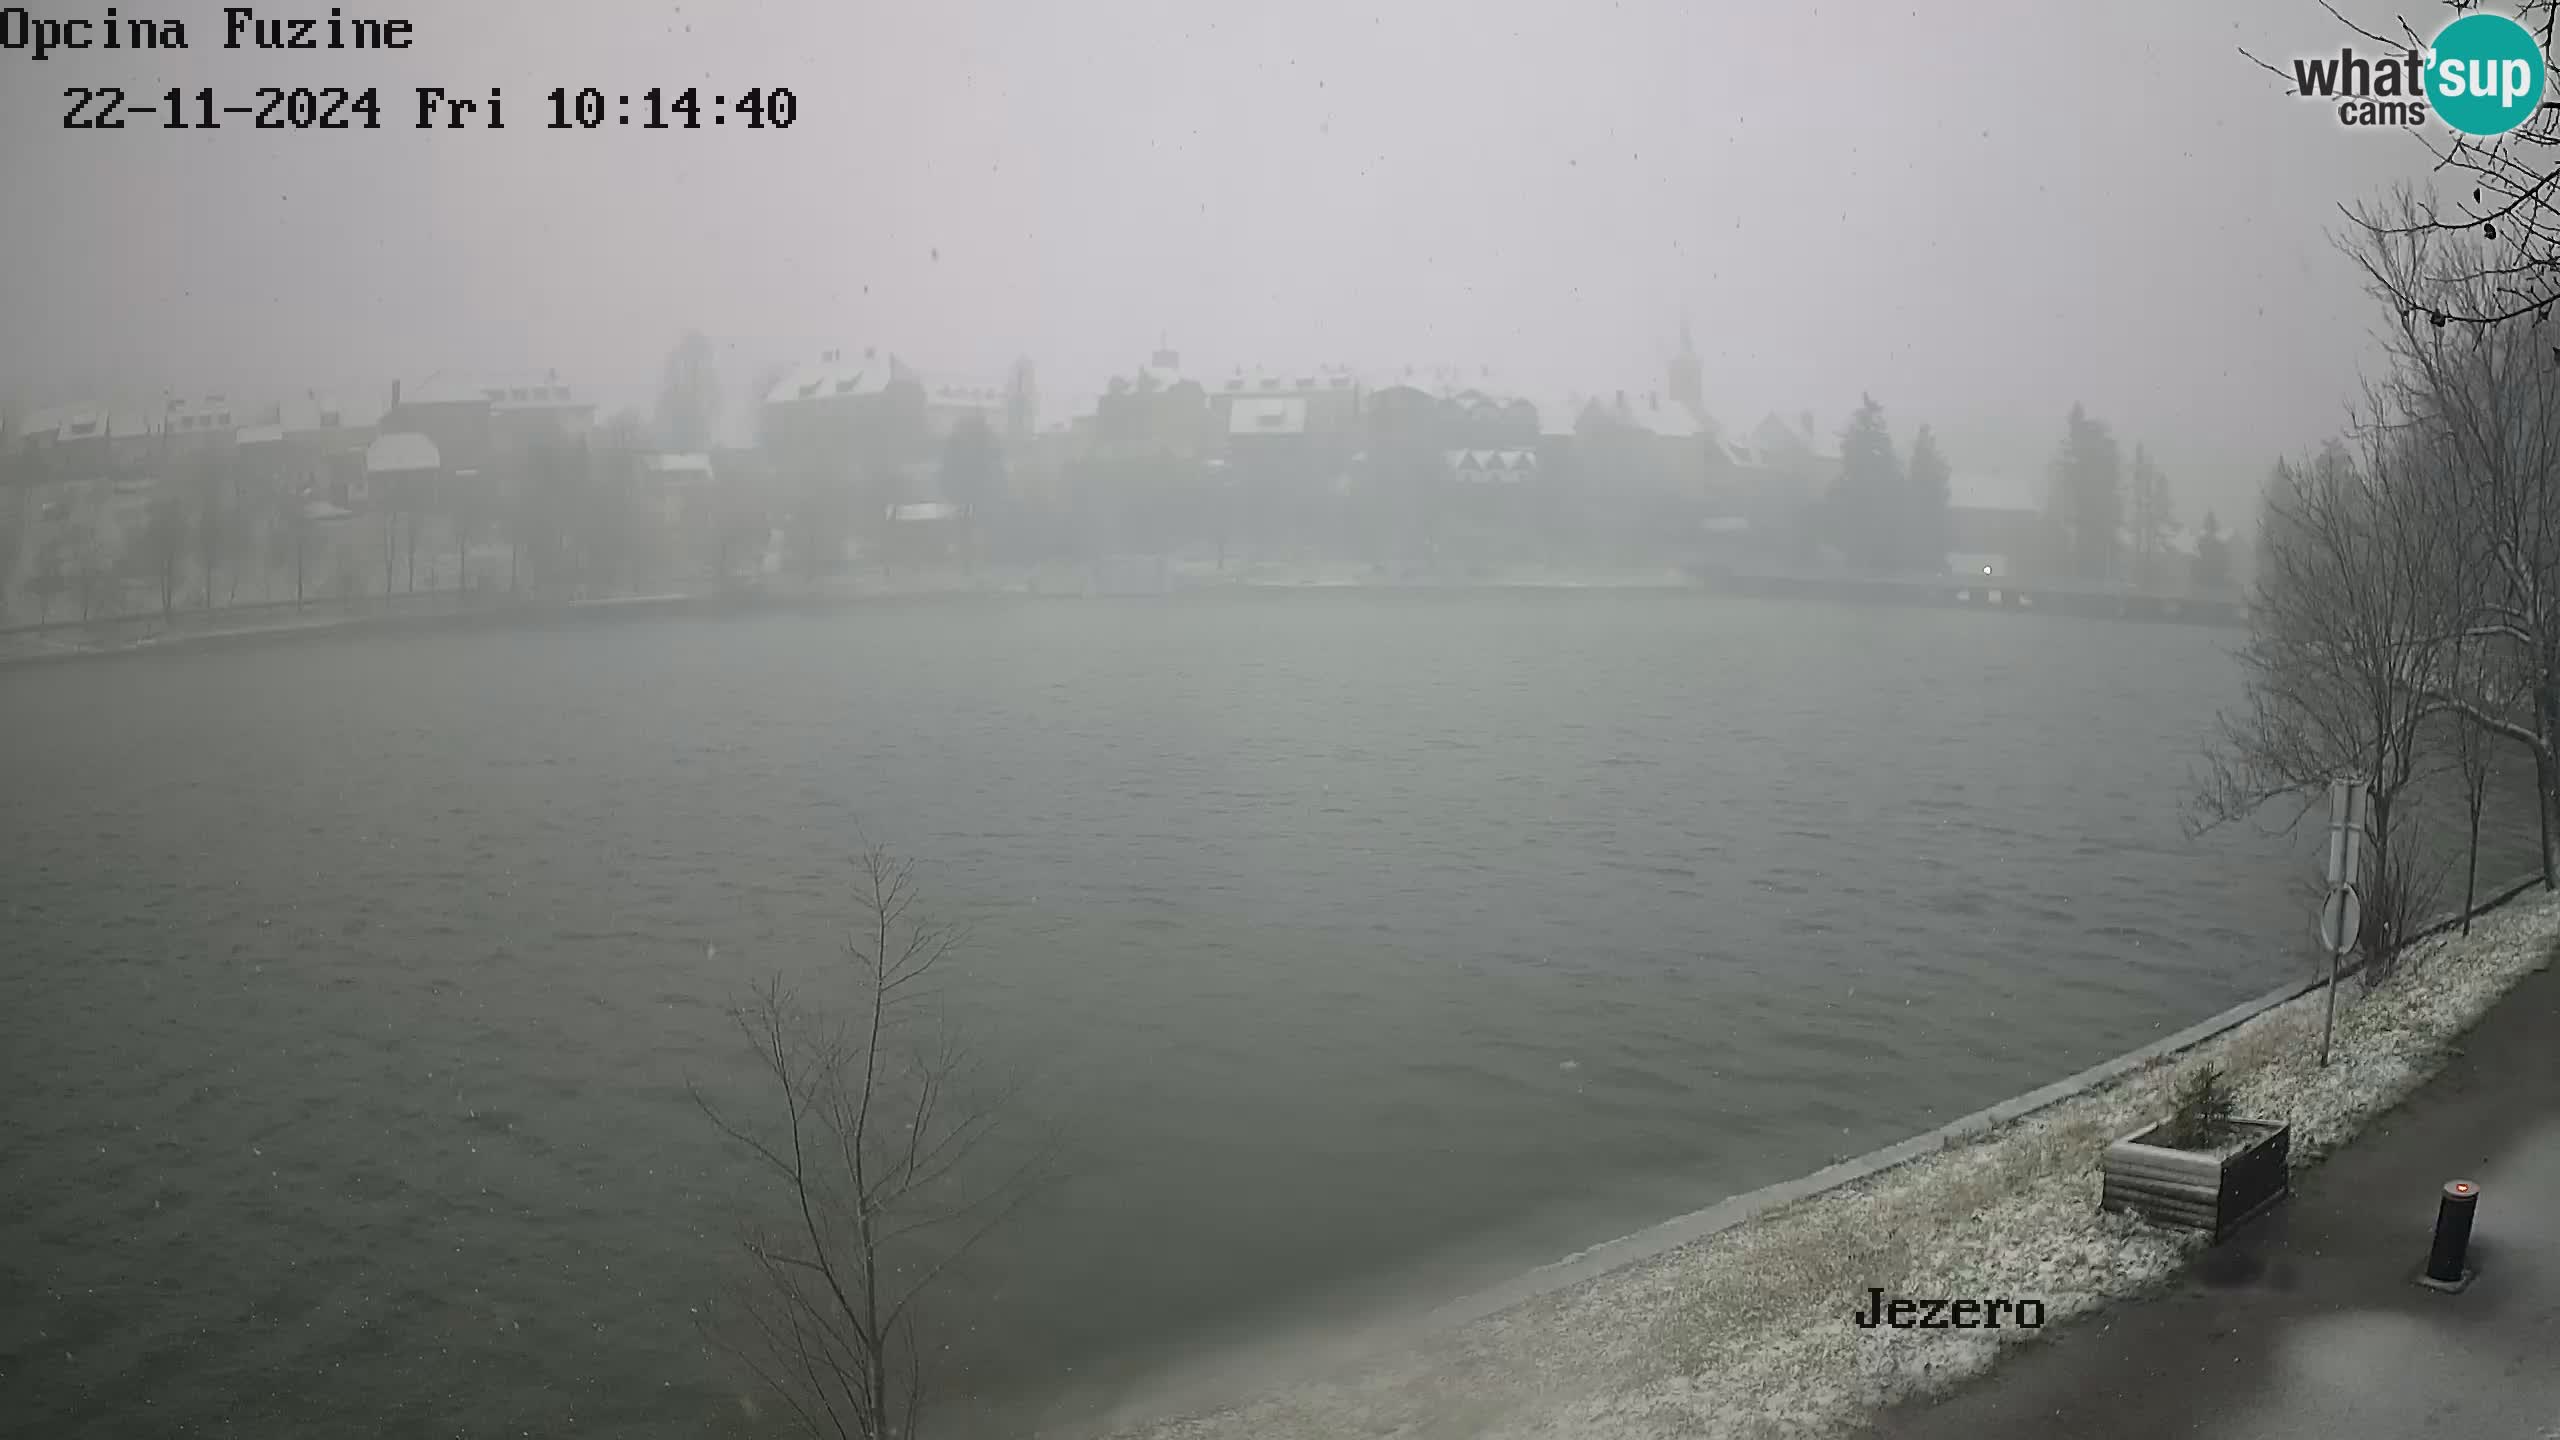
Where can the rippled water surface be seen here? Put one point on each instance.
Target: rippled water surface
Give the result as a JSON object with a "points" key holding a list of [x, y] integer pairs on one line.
{"points": [[1367, 946]]}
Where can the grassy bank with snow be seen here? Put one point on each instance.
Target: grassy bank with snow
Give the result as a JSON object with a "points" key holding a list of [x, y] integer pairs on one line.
{"points": [[1746, 1334]]}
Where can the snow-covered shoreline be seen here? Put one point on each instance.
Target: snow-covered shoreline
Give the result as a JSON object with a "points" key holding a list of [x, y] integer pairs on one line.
{"points": [[1746, 1333]]}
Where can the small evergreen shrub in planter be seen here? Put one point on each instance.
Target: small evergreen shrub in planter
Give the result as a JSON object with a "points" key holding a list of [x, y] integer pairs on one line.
{"points": [[2202, 1168]]}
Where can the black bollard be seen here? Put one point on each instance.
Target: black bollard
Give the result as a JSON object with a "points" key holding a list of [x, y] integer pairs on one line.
{"points": [[2453, 1234]]}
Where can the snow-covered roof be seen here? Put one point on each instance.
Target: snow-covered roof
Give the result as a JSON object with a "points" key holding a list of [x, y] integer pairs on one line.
{"points": [[444, 387], [1667, 418], [835, 374], [399, 452], [1450, 382], [546, 391], [1502, 466], [677, 464], [1475, 397], [1560, 414], [321, 411], [258, 435], [1301, 382], [1268, 415], [62, 422], [935, 510], [1775, 438], [977, 394], [190, 415]]}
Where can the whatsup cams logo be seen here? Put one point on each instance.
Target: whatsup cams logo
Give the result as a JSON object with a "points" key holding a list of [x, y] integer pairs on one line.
{"points": [[2482, 76]]}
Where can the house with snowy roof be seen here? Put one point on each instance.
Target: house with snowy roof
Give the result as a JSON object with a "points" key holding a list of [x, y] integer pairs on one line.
{"points": [[1157, 411]]}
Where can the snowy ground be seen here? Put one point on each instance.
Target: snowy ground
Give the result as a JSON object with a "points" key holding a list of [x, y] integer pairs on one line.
{"points": [[1747, 1334]]}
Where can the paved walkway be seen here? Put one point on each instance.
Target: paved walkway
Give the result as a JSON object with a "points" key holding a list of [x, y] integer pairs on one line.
{"points": [[2306, 1324]]}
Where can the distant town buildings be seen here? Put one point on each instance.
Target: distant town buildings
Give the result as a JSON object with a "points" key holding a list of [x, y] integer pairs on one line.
{"points": [[1421, 470]]}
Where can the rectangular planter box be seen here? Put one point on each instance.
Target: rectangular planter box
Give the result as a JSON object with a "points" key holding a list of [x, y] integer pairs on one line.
{"points": [[2195, 1189]]}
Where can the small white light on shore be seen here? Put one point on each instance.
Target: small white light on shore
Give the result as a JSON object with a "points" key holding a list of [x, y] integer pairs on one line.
{"points": [[1986, 569]]}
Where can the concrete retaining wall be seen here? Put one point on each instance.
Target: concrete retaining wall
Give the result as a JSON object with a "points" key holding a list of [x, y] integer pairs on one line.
{"points": [[1725, 1215]]}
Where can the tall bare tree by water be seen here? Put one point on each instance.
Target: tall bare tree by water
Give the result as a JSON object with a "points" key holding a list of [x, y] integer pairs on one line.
{"points": [[98, 568], [287, 532], [213, 483], [881, 1138], [164, 547], [2346, 630], [2480, 673], [53, 571], [2486, 399]]}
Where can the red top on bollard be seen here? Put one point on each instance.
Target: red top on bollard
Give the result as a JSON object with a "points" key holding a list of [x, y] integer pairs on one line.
{"points": [[2461, 1189]]}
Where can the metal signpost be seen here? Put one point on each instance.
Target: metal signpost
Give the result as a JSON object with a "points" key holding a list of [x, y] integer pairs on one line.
{"points": [[2342, 914]]}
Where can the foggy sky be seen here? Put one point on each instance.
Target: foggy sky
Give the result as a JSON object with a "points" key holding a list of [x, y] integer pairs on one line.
{"points": [[1981, 213]]}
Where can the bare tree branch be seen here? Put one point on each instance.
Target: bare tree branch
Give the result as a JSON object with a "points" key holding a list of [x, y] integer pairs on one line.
{"points": [[879, 1151]]}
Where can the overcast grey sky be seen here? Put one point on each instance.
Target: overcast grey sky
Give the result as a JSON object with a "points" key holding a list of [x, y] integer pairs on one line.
{"points": [[1981, 213]]}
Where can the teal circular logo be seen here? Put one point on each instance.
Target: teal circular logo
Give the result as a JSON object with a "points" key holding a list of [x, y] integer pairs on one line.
{"points": [[2484, 74]]}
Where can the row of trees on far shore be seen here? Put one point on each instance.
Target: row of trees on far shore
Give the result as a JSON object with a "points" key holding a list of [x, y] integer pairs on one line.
{"points": [[221, 529], [580, 510], [2105, 518], [2110, 519], [1885, 514], [221, 525]]}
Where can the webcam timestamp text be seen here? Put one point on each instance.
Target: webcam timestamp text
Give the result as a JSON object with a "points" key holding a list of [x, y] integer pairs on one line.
{"points": [[427, 107]]}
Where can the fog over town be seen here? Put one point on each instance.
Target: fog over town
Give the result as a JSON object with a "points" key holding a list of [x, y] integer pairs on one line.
{"points": [[1928, 206], [1151, 721]]}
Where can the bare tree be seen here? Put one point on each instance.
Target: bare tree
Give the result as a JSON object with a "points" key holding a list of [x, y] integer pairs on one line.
{"points": [[2486, 402], [2502, 190], [213, 505], [98, 571], [52, 573], [2478, 675], [881, 1141], [164, 540], [2343, 659]]}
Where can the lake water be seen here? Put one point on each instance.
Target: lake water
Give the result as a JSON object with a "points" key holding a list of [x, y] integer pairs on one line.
{"points": [[1367, 947]]}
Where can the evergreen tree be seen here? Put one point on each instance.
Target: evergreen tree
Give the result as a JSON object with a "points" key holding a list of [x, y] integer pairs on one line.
{"points": [[2154, 520], [2213, 556], [1867, 500], [1927, 532], [2087, 499]]}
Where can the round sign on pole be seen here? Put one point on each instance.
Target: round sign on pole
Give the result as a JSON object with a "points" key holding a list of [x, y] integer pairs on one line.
{"points": [[2341, 918]]}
